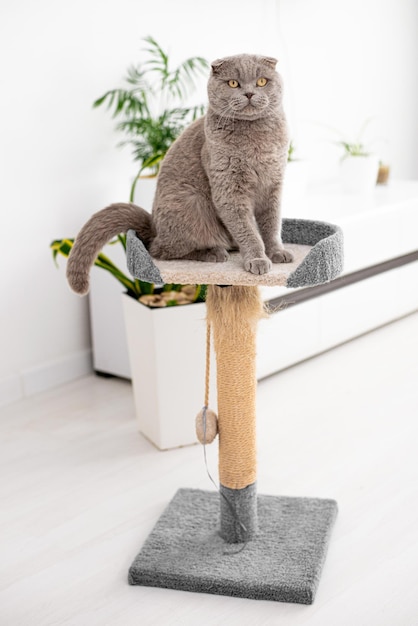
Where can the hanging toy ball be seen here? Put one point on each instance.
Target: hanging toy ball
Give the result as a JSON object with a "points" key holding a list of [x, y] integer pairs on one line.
{"points": [[206, 425]]}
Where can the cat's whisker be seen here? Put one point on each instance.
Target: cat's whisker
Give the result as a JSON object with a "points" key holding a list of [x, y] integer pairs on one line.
{"points": [[226, 116], [223, 117]]}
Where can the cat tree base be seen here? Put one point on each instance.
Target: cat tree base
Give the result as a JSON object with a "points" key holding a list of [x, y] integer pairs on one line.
{"points": [[193, 545], [282, 563]]}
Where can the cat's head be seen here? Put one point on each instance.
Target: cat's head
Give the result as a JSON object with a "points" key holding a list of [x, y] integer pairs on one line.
{"points": [[245, 86]]}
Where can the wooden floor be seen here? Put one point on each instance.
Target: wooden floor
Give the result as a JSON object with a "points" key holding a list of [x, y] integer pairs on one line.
{"points": [[80, 490]]}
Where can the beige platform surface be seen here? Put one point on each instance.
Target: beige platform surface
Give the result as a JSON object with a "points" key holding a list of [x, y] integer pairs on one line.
{"points": [[231, 272]]}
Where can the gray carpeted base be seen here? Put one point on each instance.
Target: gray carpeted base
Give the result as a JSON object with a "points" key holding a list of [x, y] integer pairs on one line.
{"points": [[283, 563]]}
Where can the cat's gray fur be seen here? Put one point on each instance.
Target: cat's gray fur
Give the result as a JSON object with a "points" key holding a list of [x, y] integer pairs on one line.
{"points": [[219, 186]]}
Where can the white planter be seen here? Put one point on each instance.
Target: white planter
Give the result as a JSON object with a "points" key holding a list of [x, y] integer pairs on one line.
{"points": [[167, 356], [110, 352], [358, 174]]}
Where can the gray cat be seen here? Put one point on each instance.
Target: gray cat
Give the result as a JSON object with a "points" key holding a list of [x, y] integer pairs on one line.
{"points": [[219, 186]]}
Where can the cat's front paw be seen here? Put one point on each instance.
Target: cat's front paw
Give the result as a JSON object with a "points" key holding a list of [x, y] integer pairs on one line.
{"points": [[282, 256], [208, 255], [217, 255], [257, 266]]}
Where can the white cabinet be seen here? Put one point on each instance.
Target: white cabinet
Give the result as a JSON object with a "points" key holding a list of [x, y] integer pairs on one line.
{"points": [[376, 228]]}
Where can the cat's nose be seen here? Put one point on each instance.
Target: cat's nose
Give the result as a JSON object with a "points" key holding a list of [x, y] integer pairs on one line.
{"points": [[249, 95]]}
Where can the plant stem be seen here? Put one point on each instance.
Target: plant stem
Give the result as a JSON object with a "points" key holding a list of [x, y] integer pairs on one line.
{"points": [[105, 263], [128, 284], [132, 194], [122, 239]]}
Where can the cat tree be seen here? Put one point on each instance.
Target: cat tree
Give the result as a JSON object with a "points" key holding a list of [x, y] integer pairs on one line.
{"points": [[239, 543]]}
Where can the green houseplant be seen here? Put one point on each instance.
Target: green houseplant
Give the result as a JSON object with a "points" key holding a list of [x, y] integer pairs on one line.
{"points": [[168, 295], [358, 164], [351, 145], [151, 107], [160, 349], [291, 156], [152, 113]]}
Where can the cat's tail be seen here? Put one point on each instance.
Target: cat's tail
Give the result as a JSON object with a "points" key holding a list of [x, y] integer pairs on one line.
{"points": [[101, 228]]}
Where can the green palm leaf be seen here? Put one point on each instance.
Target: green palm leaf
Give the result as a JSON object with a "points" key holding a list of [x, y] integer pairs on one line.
{"points": [[151, 114], [150, 125]]}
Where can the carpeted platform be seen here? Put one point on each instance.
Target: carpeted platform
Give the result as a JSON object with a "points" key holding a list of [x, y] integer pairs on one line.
{"points": [[316, 246], [288, 536], [283, 563]]}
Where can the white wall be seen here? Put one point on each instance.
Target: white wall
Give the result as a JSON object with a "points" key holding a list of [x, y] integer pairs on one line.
{"points": [[345, 62], [342, 62]]}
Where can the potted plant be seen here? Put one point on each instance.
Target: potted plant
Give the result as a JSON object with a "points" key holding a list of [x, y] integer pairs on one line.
{"points": [[164, 342], [166, 296], [166, 345], [151, 110], [358, 165]]}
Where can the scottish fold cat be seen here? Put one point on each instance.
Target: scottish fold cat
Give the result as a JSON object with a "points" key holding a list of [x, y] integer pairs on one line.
{"points": [[219, 187]]}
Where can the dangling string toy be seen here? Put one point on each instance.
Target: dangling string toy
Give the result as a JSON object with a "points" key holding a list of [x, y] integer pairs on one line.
{"points": [[206, 419]]}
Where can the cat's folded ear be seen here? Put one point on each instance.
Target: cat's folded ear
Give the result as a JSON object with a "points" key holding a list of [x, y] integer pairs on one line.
{"points": [[216, 65], [270, 61]]}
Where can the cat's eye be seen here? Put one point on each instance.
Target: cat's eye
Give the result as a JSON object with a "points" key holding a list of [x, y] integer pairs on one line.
{"points": [[233, 83], [261, 82]]}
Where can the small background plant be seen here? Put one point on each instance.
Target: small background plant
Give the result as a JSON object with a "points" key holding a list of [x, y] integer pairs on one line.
{"points": [[291, 152], [356, 146], [353, 149]]}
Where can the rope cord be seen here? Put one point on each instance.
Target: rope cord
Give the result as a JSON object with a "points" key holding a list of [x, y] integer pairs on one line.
{"points": [[207, 376]]}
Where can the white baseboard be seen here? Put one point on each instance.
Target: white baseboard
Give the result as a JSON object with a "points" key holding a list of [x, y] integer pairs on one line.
{"points": [[11, 390], [45, 376]]}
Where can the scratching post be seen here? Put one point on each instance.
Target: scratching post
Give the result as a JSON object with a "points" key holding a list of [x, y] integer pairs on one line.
{"points": [[283, 540], [233, 313]]}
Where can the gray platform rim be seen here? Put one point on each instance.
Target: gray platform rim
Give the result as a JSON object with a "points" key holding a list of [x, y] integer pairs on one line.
{"points": [[323, 263], [284, 563]]}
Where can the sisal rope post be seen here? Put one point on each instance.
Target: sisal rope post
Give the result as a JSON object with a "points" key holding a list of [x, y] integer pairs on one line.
{"points": [[233, 313]]}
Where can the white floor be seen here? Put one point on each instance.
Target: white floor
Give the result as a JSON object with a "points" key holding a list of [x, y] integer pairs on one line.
{"points": [[81, 489]]}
